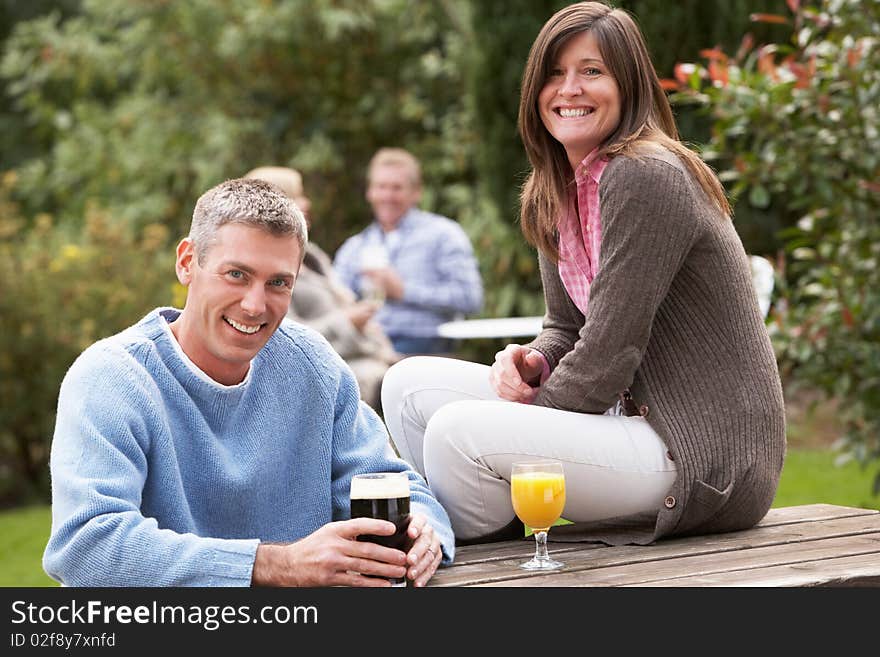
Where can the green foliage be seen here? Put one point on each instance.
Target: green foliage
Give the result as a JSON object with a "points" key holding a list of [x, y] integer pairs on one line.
{"points": [[146, 104], [117, 114], [17, 141], [494, 73], [59, 292], [132, 108], [493, 70], [798, 125], [676, 31]]}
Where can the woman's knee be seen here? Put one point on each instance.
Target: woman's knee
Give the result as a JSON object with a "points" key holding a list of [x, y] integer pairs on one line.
{"points": [[405, 370], [401, 376], [450, 431]]}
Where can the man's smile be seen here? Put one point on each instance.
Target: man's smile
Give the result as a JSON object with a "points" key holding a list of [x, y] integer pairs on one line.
{"points": [[243, 328]]}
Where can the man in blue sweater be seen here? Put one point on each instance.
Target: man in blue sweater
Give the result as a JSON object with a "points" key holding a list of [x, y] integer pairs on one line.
{"points": [[215, 445]]}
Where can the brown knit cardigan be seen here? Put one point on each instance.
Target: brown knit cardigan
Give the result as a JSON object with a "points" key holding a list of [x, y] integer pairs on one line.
{"points": [[673, 318]]}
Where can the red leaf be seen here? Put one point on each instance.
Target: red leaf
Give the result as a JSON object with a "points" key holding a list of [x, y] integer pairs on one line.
{"points": [[794, 5], [668, 84], [718, 72], [768, 18], [802, 73], [870, 186], [713, 54], [683, 72], [847, 317], [747, 43], [766, 64], [854, 56]]}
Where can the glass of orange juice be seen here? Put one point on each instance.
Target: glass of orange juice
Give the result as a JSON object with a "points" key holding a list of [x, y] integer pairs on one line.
{"points": [[537, 491]]}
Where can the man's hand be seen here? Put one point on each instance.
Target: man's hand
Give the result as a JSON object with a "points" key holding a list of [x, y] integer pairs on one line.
{"points": [[388, 279], [514, 370], [425, 554], [332, 556]]}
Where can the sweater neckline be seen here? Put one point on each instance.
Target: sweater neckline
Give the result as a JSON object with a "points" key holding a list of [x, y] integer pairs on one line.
{"points": [[168, 315]]}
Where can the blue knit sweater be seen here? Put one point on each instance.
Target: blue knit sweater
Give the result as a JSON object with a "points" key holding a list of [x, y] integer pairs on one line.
{"points": [[163, 477]]}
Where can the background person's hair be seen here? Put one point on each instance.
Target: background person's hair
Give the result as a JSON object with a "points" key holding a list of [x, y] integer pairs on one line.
{"points": [[250, 202], [287, 179], [645, 115], [396, 157]]}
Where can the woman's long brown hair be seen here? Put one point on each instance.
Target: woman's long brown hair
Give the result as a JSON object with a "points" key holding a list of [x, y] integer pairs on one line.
{"points": [[645, 116]]}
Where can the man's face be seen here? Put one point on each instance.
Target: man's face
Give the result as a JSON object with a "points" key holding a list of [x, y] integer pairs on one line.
{"points": [[237, 298], [391, 192]]}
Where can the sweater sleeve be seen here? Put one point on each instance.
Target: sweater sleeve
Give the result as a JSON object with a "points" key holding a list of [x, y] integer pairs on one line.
{"points": [[648, 227], [361, 444], [98, 465]]}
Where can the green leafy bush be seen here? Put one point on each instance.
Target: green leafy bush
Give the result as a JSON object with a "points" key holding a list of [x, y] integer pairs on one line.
{"points": [[59, 292], [798, 125], [145, 105]]}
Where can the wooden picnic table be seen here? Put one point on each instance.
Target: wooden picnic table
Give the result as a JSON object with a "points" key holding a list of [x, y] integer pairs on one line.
{"points": [[810, 545]]}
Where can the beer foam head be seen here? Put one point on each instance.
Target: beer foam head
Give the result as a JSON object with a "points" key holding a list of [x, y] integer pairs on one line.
{"points": [[379, 486]]}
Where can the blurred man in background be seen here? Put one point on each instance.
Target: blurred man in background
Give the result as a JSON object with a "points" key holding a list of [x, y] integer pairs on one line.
{"points": [[422, 264]]}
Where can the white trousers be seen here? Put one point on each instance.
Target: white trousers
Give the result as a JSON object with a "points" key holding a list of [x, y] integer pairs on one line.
{"points": [[447, 422]]}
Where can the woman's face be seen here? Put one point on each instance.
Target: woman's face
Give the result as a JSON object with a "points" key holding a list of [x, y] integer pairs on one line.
{"points": [[580, 102]]}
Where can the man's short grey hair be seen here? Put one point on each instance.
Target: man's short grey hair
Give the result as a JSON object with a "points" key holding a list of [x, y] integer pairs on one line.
{"points": [[251, 202]]}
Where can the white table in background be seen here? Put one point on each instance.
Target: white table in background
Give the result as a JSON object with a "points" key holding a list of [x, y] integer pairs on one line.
{"points": [[495, 327]]}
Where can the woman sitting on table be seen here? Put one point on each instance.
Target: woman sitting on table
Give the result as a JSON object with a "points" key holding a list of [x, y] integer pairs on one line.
{"points": [[653, 380]]}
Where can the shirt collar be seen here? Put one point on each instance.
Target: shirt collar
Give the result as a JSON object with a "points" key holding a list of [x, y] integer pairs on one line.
{"points": [[402, 225], [591, 167]]}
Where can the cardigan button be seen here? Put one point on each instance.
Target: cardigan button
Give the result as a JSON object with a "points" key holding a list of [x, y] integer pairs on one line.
{"points": [[643, 410], [669, 502], [669, 455]]}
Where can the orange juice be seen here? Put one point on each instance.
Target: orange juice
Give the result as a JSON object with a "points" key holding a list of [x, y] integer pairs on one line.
{"points": [[538, 497]]}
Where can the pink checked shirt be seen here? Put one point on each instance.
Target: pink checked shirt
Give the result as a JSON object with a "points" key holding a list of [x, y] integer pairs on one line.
{"points": [[580, 233]]}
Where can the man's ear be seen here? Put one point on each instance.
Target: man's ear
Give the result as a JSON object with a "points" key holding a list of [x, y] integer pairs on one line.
{"points": [[185, 260]]}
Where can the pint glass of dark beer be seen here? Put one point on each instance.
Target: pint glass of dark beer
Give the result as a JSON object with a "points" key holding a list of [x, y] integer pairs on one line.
{"points": [[383, 495]]}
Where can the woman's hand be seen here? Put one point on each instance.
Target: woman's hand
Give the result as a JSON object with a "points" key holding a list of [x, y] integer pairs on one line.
{"points": [[515, 371]]}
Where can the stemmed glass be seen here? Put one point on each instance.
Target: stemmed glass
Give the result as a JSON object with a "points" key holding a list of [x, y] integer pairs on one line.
{"points": [[537, 490]]}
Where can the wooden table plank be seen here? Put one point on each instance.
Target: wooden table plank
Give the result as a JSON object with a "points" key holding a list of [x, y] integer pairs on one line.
{"points": [[837, 571], [654, 573], [781, 516], [810, 513], [497, 564]]}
